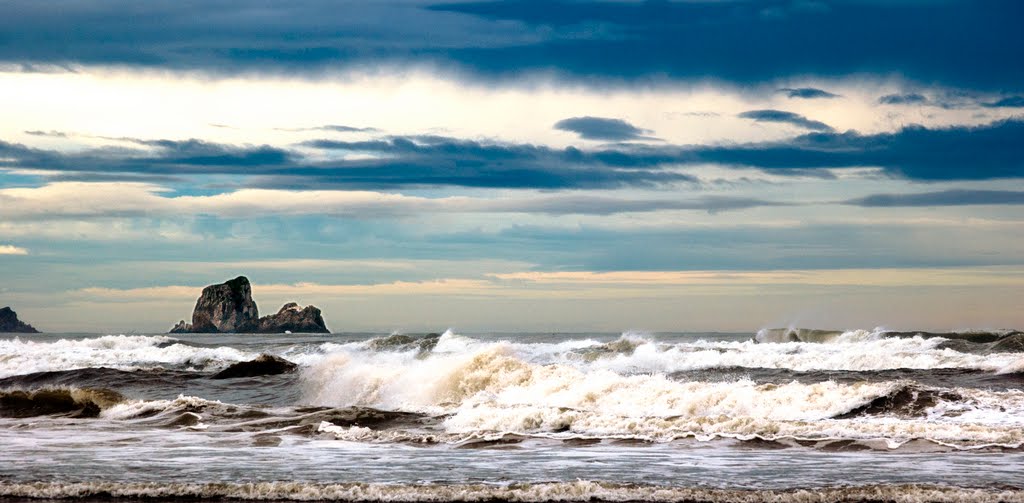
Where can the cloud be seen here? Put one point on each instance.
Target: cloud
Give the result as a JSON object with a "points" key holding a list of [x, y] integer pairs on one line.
{"points": [[903, 99], [600, 128], [301, 37], [941, 198], [1008, 102], [780, 277], [807, 93], [542, 284], [955, 153], [338, 128], [758, 245], [437, 160], [958, 43], [444, 286], [967, 44], [785, 118], [160, 157], [195, 152], [53, 134], [12, 250], [105, 200], [383, 163]]}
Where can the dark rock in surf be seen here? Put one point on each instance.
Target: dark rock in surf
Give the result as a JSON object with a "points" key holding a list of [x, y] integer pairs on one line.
{"points": [[181, 328], [226, 308], [293, 318], [264, 365], [9, 322]]}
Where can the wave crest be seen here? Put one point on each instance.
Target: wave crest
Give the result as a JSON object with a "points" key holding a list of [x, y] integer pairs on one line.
{"points": [[68, 402], [124, 352]]}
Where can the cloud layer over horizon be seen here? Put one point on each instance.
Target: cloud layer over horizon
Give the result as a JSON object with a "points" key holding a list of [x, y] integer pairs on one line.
{"points": [[455, 158]]}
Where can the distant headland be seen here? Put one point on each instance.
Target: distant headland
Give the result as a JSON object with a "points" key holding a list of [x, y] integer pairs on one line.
{"points": [[228, 308]]}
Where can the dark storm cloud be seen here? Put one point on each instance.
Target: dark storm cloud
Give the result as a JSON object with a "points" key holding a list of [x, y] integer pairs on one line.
{"points": [[915, 152], [984, 152], [785, 118], [941, 198], [437, 160], [231, 36], [403, 162], [958, 42], [600, 128], [201, 153], [164, 157], [807, 93], [903, 99], [1008, 102]]}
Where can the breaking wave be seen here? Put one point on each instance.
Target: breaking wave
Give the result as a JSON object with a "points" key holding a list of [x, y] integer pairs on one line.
{"points": [[492, 392], [793, 349], [68, 402], [125, 352], [865, 386]]}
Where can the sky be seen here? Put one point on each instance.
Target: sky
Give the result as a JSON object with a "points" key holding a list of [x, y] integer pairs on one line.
{"points": [[555, 165]]}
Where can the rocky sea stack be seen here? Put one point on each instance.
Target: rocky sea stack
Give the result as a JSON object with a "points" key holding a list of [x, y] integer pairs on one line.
{"points": [[228, 308], [9, 322], [293, 318]]}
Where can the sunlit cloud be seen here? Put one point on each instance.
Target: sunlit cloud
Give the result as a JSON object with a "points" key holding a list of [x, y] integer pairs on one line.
{"points": [[12, 250]]}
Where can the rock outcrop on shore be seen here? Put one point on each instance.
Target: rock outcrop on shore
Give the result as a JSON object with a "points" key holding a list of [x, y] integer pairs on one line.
{"points": [[228, 308], [9, 322]]}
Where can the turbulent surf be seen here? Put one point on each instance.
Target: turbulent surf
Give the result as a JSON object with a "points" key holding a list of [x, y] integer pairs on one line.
{"points": [[527, 417]]}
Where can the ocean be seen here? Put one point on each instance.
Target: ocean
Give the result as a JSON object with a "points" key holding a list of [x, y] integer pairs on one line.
{"points": [[777, 415]]}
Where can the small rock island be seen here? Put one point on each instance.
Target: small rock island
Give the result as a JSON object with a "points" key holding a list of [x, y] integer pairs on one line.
{"points": [[9, 323], [228, 308]]}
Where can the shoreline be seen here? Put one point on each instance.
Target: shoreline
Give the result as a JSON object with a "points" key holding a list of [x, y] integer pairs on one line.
{"points": [[578, 491]]}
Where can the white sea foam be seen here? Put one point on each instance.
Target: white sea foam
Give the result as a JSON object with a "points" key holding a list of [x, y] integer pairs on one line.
{"points": [[450, 342], [576, 491], [855, 350], [866, 354], [115, 351], [492, 392], [144, 408]]}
